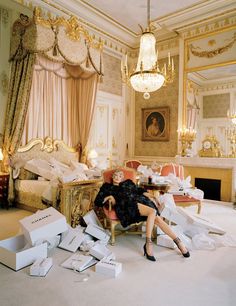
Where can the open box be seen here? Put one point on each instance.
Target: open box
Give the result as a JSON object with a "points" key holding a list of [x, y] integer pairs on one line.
{"points": [[16, 254]]}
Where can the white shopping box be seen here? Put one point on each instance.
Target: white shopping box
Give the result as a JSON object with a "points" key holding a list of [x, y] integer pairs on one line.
{"points": [[108, 267], [43, 224], [72, 240], [41, 266], [79, 262], [91, 217], [97, 232], [100, 251], [165, 241], [16, 253]]}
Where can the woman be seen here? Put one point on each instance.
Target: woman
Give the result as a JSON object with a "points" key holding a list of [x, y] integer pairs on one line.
{"points": [[133, 204], [153, 128]]}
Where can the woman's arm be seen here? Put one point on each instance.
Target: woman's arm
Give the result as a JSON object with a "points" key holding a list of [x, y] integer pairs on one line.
{"points": [[110, 200], [104, 192]]}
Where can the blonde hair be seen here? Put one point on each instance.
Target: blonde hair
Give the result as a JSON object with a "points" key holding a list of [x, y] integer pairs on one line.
{"points": [[118, 171]]}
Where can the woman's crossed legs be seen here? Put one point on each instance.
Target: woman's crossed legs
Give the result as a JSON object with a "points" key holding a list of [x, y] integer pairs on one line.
{"points": [[152, 220]]}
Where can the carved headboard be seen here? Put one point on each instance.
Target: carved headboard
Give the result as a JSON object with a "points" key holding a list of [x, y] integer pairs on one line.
{"points": [[47, 149]]}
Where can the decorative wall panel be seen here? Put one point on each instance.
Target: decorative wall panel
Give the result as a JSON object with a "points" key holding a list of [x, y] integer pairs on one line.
{"points": [[216, 106], [112, 76]]}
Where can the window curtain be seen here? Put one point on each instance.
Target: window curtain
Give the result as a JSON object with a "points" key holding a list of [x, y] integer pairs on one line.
{"points": [[17, 105], [61, 103]]}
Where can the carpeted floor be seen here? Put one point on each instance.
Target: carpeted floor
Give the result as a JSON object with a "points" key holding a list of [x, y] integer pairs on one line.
{"points": [[9, 225], [207, 278]]}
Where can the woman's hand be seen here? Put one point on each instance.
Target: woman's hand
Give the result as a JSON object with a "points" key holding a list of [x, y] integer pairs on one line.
{"points": [[154, 200], [110, 199]]}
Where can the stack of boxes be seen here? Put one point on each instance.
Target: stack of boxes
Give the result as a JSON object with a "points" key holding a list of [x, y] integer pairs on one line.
{"points": [[43, 227]]}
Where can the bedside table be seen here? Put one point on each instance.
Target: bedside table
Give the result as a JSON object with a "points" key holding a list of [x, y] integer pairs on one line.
{"points": [[4, 179]]}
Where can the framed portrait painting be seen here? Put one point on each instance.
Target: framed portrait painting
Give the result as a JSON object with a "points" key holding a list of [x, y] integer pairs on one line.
{"points": [[156, 124]]}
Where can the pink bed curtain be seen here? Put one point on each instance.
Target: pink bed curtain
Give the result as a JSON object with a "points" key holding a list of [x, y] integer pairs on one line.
{"points": [[61, 104]]}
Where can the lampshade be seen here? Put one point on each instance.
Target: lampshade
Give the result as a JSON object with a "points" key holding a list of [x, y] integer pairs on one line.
{"points": [[92, 154], [1, 155]]}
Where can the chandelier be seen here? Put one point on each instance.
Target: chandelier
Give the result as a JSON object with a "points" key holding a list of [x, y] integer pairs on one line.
{"points": [[147, 77]]}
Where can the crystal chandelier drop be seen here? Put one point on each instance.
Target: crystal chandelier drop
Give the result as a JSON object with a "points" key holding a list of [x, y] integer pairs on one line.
{"points": [[147, 76]]}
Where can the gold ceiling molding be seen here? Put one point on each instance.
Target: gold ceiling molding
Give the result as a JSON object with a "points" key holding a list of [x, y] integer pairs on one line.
{"points": [[105, 16], [227, 85], [212, 53], [211, 25]]}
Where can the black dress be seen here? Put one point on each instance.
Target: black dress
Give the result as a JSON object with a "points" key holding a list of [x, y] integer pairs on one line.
{"points": [[127, 195]]}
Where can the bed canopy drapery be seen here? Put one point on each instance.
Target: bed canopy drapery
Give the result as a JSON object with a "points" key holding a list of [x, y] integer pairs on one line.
{"points": [[67, 45], [62, 41]]}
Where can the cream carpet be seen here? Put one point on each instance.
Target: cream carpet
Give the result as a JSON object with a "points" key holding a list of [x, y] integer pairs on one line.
{"points": [[9, 225], [207, 278]]}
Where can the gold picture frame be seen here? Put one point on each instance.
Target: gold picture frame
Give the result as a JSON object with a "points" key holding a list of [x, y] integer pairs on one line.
{"points": [[156, 124]]}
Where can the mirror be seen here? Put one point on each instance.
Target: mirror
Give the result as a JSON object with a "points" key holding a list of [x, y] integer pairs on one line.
{"points": [[210, 94]]}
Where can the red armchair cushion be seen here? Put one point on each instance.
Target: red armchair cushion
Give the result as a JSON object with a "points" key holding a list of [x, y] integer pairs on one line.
{"points": [[178, 170], [110, 214]]}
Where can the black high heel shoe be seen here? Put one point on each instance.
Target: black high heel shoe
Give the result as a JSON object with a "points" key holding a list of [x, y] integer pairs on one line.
{"points": [[177, 241], [149, 257]]}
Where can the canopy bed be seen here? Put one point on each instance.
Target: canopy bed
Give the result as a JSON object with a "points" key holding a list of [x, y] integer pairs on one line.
{"points": [[42, 185], [55, 68]]}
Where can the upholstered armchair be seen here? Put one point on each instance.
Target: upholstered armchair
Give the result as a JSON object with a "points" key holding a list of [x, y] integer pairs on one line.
{"points": [[133, 164], [111, 220], [177, 170]]}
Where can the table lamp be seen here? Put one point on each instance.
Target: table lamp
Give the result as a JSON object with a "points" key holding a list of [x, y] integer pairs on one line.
{"points": [[92, 155]]}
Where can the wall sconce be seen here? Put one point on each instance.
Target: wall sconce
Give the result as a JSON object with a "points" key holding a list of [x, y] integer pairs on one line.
{"points": [[186, 137]]}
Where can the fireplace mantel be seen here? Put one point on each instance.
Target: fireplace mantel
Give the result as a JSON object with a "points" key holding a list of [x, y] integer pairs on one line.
{"points": [[210, 162], [226, 163]]}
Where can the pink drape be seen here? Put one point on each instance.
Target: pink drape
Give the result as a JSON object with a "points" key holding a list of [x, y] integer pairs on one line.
{"points": [[61, 103]]}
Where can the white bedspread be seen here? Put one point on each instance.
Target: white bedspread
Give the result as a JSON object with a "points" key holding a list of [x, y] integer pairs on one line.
{"points": [[33, 186]]}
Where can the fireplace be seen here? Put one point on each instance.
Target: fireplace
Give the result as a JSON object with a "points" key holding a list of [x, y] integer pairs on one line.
{"points": [[211, 188]]}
